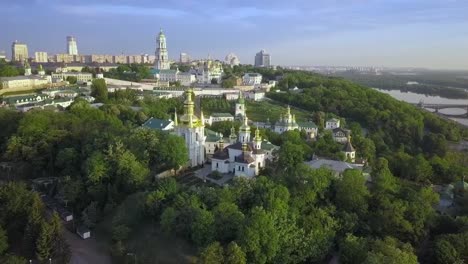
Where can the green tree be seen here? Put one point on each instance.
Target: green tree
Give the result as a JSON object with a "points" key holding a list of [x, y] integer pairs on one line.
{"points": [[446, 253], [212, 254], [258, 236], [353, 250], [172, 152], [390, 250], [97, 167], [290, 155], [8, 70], [419, 169], [229, 82], [214, 81], [168, 219], [72, 79], [44, 243], [3, 241], [12, 259], [352, 193], [99, 90], [202, 232], [228, 221], [234, 254]]}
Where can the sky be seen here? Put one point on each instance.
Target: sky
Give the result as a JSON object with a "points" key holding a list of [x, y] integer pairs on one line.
{"points": [[393, 33]]}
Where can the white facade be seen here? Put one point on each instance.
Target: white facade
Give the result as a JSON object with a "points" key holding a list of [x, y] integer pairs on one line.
{"points": [[19, 51], [72, 48], [219, 117], [162, 57], [256, 95], [240, 107], [206, 71], [286, 122], [242, 157], [252, 79], [192, 129], [185, 78], [24, 81], [81, 77], [340, 135], [40, 56], [332, 123]]}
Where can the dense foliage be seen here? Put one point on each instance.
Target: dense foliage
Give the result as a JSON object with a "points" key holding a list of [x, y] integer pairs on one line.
{"points": [[129, 72], [25, 231], [435, 83], [95, 156], [414, 142]]}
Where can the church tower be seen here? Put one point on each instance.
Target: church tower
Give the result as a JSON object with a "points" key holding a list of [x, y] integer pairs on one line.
{"points": [[244, 131], [192, 129], [162, 58], [27, 69], [257, 141], [240, 107], [40, 70], [232, 136]]}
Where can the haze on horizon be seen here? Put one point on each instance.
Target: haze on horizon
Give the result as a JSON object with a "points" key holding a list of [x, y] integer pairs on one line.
{"points": [[395, 33]]}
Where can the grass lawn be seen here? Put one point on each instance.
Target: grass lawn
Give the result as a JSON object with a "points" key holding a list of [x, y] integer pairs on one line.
{"points": [[261, 111]]}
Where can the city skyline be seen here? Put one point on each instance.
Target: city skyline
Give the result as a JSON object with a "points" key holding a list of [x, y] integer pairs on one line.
{"points": [[429, 34]]}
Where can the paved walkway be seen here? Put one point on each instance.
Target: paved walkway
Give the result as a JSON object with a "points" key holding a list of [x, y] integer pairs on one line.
{"points": [[203, 173], [85, 251]]}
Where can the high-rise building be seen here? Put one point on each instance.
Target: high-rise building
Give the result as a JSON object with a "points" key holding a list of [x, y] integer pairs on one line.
{"points": [[72, 48], [19, 51], [185, 58], [40, 56], [2, 55], [262, 59], [162, 59]]}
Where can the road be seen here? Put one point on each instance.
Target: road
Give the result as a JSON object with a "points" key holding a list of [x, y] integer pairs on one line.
{"points": [[85, 251]]}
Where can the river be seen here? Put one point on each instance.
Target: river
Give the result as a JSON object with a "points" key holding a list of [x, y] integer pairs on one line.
{"points": [[416, 98]]}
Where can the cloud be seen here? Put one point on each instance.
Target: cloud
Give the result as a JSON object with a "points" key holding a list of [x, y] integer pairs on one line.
{"points": [[126, 10]]}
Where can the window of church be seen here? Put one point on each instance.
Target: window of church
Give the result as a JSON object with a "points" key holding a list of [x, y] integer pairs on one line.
{"points": [[217, 165]]}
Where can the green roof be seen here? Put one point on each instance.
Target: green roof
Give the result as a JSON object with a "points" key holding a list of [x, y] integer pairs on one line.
{"points": [[211, 136], [267, 145], [22, 98], [307, 124], [222, 115], [157, 124]]}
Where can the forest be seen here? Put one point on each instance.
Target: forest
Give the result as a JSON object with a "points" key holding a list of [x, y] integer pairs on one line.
{"points": [[102, 163], [443, 84]]}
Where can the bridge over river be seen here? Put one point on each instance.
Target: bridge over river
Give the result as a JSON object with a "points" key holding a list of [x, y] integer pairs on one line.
{"points": [[438, 107]]}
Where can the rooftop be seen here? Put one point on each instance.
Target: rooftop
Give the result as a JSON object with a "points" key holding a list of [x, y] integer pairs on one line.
{"points": [[157, 124], [334, 165], [307, 124], [222, 115]]}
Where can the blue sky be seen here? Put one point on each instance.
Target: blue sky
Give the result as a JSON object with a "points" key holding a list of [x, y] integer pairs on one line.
{"points": [[420, 33]]}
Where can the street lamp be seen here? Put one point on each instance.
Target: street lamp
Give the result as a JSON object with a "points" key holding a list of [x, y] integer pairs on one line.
{"points": [[134, 256], [50, 261]]}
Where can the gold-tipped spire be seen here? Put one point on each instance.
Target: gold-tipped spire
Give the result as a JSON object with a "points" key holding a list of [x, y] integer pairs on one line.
{"points": [[175, 117], [202, 117]]}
